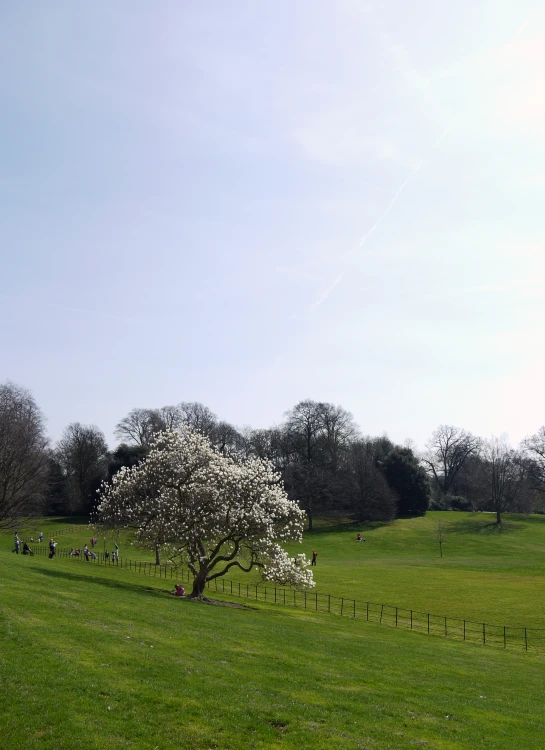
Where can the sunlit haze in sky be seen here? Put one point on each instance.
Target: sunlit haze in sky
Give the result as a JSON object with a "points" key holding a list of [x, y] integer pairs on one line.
{"points": [[251, 203]]}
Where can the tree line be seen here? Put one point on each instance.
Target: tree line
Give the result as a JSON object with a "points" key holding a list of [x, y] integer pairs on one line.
{"points": [[328, 466]]}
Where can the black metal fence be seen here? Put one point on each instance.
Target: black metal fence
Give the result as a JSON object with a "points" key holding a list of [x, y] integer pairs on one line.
{"points": [[483, 633]]}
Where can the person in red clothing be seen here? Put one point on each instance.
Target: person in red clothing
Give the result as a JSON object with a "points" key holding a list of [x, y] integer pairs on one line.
{"points": [[314, 556], [179, 590]]}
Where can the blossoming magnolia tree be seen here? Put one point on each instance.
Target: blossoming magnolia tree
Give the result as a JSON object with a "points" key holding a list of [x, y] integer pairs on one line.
{"points": [[211, 511]]}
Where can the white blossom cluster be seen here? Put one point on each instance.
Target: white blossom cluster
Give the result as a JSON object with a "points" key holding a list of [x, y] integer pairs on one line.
{"points": [[213, 511]]}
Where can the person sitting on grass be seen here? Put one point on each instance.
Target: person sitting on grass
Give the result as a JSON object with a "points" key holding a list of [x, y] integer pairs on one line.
{"points": [[77, 552], [179, 590]]}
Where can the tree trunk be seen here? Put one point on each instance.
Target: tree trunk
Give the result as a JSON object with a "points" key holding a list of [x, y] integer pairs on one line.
{"points": [[199, 584], [157, 553], [498, 517]]}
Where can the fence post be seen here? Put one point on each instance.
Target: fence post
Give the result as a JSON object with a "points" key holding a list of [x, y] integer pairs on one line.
{"points": [[428, 622], [484, 633], [294, 600], [329, 602], [354, 608], [446, 633], [367, 611], [305, 599], [504, 637], [411, 619], [247, 591], [284, 597], [316, 601], [381, 611], [342, 606], [396, 617], [231, 582], [256, 592], [526, 639]]}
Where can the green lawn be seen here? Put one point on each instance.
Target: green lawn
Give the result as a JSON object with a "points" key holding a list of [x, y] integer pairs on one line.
{"points": [[104, 658], [486, 574]]}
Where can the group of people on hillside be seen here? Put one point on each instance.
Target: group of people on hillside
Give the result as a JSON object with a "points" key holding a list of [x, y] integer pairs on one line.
{"points": [[89, 554], [17, 548]]}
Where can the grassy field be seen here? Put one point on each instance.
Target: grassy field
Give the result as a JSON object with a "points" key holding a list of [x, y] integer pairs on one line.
{"points": [[104, 658], [486, 574]]}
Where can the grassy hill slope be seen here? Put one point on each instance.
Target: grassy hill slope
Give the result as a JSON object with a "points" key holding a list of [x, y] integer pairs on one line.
{"points": [[486, 574], [105, 658]]}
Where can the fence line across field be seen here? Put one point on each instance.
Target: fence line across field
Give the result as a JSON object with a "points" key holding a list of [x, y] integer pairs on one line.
{"points": [[383, 614]]}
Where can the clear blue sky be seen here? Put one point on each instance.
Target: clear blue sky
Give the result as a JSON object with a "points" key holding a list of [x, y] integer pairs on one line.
{"points": [[250, 203]]}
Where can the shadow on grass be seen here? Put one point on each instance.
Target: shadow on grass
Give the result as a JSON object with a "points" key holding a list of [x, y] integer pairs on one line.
{"points": [[139, 588], [136, 588], [478, 526], [354, 526], [66, 521]]}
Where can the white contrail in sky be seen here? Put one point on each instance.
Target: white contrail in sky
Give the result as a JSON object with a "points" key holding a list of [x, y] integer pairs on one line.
{"points": [[325, 294]]}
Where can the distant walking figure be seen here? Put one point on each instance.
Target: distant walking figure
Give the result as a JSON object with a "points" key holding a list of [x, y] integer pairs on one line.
{"points": [[314, 556], [52, 549], [116, 553], [41, 536], [17, 543]]}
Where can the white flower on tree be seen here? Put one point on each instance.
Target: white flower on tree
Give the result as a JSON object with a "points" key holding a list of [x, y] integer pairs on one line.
{"points": [[211, 511]]}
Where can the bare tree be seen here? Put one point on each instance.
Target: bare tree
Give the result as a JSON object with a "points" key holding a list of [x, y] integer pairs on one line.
{"points": [[448, 449], [224, 437], [139, 426], [305, 478], [339, 430], [83, 455], [23, 455], [372, 499], [440, 531], [533, 448], [503, 476], [198, 417], [167, 418]]}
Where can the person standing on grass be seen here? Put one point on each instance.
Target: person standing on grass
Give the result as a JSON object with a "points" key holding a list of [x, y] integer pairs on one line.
{"points": [[86, 552], [17, 543], [314, 556], [41, 536], [52, 548], [116, 553]]}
